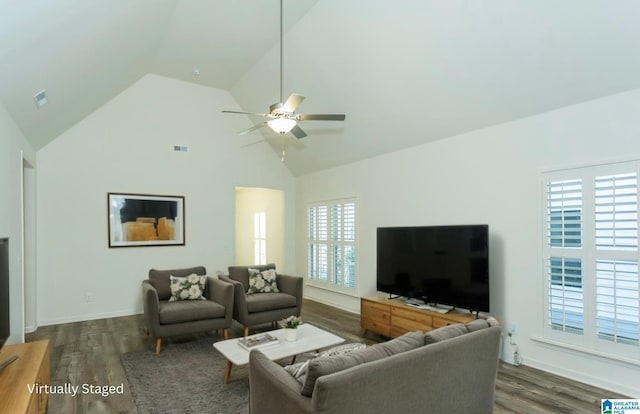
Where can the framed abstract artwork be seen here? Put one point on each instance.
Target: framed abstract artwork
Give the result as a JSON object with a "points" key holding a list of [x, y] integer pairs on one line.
{"points": [[145, 220]]}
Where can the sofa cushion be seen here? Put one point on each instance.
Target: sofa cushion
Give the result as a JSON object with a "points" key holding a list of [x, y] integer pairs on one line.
{"points": [[477, 324], [299, 369], [160, 278], [261, 302], [189, 310], [324, 366], [241, 273], [187, 288], [262, 281], [446, 332]]}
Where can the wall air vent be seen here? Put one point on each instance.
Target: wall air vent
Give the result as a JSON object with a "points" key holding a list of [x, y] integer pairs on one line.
{"points": [[40, 98]]}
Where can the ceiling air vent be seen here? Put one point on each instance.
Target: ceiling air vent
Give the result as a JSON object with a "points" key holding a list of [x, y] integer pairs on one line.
{"points": [[40, 98]]}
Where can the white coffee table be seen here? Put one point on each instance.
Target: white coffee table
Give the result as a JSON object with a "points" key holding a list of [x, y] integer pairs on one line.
{"points": [[310, 338]]}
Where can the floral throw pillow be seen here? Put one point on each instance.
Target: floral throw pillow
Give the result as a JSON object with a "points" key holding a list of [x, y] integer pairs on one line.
{"points": [[262, 282], [187, 288], [299, 369]]}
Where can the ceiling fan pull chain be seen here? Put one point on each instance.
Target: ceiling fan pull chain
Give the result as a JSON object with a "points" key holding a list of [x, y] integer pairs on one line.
{"points": [[283, 153]]}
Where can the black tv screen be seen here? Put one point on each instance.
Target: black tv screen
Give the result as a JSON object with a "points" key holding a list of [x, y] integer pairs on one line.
{"points": [[4, 291], [447, 265]]}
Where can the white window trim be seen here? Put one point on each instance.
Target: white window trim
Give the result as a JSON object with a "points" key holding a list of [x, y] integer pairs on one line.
{"points": [[354, 291], [588, 342]]}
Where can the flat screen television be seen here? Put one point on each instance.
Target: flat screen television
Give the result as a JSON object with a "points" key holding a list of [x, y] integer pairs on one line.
{"points": [[446, 265], [4, 291]]}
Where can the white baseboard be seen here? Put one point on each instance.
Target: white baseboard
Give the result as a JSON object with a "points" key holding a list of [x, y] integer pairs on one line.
{"points": [[333, 304], [89, 317], [600, 381]]}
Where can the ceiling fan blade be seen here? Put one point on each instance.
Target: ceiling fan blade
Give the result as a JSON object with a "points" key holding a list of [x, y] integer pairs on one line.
{"points": [[246, 113], [298, 132], [320, 117], [253, 128], [292, 102]]}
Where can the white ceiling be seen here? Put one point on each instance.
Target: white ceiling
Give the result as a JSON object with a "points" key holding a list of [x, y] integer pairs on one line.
{"points": [[404, 72]]}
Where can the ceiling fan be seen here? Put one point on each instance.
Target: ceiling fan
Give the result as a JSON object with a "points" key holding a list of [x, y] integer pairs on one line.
{"points": [[281, 116]]}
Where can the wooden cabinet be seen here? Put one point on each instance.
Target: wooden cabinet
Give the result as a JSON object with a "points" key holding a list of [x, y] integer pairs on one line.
{"points": [[375, 317], [22, 382], [392, 317]]}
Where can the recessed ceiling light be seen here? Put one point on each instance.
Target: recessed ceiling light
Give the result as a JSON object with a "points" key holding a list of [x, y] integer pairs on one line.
{"points": [[40, 98]]}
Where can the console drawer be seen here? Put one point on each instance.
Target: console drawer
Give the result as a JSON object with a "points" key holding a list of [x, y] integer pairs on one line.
{"points": [[376, 326], [375, 312], [367, 306], [408, 325], [417, 315]]}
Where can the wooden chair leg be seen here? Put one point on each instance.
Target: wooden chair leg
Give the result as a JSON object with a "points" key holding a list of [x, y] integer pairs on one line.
{"points": [[246, 331], [225, 333], [158, 345]]}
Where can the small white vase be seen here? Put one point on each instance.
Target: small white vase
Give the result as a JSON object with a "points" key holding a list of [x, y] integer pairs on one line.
{"points": [[291, 334]]}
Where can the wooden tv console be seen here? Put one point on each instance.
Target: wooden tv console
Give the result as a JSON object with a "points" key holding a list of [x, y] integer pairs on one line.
{"points": [[393, 317], [33, 367]]}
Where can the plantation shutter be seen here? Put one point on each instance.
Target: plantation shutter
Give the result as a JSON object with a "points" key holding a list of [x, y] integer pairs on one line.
{"points": [[564, 213], [617, 212], [566, 297], [564, 231], [343, 234], [332, 240], [617, 301], [591, 257], [616, 223]]}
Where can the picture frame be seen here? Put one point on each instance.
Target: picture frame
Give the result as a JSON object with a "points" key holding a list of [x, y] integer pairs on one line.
{"points": [[138, 220]]}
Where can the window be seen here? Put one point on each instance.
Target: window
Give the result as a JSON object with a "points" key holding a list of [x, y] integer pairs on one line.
{"points": [[332, 244], [260, 238], [591, 257]]}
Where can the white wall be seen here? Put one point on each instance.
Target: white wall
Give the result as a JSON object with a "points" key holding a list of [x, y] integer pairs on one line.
{"points": [[487, 176], [13, 149], [127, 146]]}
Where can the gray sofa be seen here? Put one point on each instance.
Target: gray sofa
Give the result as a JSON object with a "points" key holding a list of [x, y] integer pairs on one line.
{"points": [[451, 370], [163, 318]]}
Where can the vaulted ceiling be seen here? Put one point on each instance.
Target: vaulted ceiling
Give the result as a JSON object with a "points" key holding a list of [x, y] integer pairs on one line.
{"points": [[404, 72]]}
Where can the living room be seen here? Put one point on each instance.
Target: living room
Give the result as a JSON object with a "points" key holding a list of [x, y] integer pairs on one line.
{"points": [[484, 168]]}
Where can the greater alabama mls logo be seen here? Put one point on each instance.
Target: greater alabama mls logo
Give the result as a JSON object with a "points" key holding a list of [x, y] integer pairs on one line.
{"points": [[607, 407], [620, 406]]}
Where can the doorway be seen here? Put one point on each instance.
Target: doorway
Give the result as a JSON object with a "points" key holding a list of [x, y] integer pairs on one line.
{"points": [[259, 226]]}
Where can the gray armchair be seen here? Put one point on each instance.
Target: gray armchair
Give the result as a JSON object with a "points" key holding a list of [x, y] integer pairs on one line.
{"points": [[163, 318], [258, 308]]}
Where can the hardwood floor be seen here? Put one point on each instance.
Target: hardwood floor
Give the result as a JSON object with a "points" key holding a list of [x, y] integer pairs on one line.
{"points": [[89, 353]]}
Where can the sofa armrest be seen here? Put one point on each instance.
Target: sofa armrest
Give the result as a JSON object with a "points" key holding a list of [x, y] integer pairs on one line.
{"points": [[151, 306], [293, 286], [222, 293], [239, 298], [272, 390]]}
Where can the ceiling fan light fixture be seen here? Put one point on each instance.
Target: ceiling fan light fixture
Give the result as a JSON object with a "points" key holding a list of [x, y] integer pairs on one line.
{"points": [[281, 125]]}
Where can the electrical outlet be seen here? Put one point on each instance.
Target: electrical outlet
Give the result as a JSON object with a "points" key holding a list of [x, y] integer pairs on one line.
{"points": [[88, 297]]}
